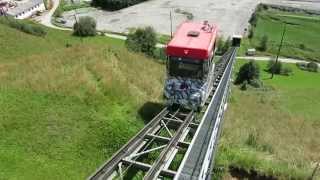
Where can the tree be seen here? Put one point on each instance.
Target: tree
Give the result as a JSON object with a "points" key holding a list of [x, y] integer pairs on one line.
{"points": [[142, 40], [85, 26], [249, 73], [263, 43]]}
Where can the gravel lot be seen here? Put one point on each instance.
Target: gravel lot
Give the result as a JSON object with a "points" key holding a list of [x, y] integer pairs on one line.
{"points": [[231, 15]]}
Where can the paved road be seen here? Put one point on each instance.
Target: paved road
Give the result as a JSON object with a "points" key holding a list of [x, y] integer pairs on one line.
{"points": [[231, 15], [45, 18]]}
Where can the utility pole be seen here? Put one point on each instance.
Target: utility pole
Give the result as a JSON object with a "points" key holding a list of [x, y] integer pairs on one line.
{"points": [[171, 24], [279, 50]]}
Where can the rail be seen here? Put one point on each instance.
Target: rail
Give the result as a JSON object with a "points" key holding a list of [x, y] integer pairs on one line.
{"points": [[167, 134]]}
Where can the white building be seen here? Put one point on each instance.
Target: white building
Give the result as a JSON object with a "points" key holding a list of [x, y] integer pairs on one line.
{"points": [[26, 9]]}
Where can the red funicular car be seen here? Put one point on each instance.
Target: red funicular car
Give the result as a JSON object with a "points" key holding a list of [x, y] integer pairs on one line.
{"points": [[190, 66]]}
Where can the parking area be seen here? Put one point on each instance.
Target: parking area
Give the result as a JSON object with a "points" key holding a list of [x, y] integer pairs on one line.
{"points": [[231, 15]]}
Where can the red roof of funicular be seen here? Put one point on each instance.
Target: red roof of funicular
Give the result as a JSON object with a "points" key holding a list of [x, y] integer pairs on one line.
{"points": [[193, 40]]}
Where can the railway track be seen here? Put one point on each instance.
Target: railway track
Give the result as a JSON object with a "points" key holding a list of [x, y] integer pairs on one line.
{"points": [[176, 144]]}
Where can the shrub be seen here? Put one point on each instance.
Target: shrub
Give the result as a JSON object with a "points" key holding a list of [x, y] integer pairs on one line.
{"points": [[250, 73], [274, 67], [142, 40], [219, 45], [312, 66], [278, 68], [263, 43], [253, 19], [251, 33], [252, 140], [302, 46], [223, 46], [256, 83], [286, 70], [86, 26], [227, 44], [243, 86], [23, 26]]}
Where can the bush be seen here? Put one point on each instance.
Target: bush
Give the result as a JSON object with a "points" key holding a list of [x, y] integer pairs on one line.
{"points": [[251, 33], [227, 45], [252, 140], [278, 68], [274, 67], [263, 43], [249, 73], [23, 26], [142, 40], [243, 86], [312, 66], [256, 83], [223, 46], [302, 46], [115, 4], [286, 70], [86, 26], [253, 19], [219, 46]]}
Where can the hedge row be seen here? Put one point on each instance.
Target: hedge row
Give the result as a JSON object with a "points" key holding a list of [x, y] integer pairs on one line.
{"points": [[23, 26]]}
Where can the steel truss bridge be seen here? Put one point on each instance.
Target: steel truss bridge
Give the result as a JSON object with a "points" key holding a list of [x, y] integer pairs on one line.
{"points": [[176, 144]]}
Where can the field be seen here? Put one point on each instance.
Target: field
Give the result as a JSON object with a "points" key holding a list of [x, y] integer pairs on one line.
{"points": [[274, 131], [301, 37], [67, 104]]}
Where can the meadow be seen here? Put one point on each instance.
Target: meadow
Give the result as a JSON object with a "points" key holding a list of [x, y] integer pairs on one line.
{"points": [[275, 130], [301, 38], [68, 103]]}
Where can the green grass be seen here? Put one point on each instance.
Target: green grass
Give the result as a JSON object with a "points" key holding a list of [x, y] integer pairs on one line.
{"points": [[274, 131], [301, 38], [65, 110]]}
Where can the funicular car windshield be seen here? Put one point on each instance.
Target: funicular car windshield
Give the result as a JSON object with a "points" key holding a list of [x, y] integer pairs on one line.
{"points": [[187, 68]]}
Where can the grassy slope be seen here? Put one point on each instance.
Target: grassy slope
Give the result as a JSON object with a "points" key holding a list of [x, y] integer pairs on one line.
{"points": [[66, 110], [284, 123], [302, 29]]}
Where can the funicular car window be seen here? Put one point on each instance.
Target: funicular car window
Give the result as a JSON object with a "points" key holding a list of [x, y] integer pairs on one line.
{"points": [[183, 67]]}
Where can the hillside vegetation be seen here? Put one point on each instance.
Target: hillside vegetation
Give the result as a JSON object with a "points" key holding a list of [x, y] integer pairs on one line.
{"points": [[274, 130], [67, 104], [301, 38]]}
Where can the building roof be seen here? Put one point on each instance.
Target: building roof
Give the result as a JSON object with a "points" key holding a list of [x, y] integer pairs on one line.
{"points": [[23, 7], [193, 40]]}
